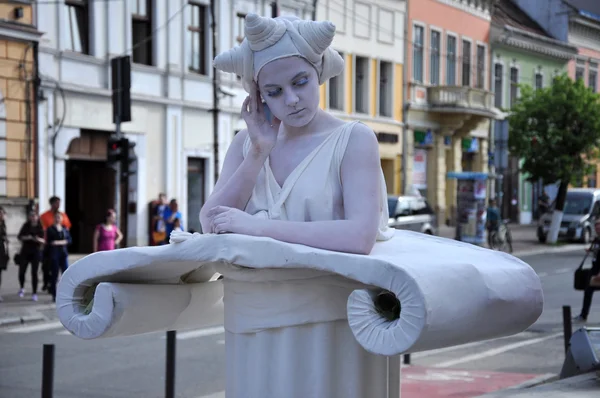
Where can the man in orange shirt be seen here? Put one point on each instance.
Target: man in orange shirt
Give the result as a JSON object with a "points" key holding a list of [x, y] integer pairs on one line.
{"points": [[47, 219]]}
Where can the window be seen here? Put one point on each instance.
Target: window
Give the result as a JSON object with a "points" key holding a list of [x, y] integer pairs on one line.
{"points": [[434, 72], [593, 77], [240, 23], [385, 88], [141, 26], [336, 91], [539, 80], [198, 29], [514, 85], [466, 64], [498, 85], [418, 40], [78, 29], [580, 70], [480, 66], [450, 60], [361, 83]]}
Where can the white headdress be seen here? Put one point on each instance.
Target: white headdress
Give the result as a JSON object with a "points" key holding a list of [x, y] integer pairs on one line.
{"points": [[268, 39]]}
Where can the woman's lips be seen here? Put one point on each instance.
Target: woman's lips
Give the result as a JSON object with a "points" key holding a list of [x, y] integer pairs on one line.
{"points": [[297, 112]]}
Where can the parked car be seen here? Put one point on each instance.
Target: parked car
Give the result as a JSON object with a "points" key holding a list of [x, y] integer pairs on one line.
{"points": [[582, 208], [412, 213]]}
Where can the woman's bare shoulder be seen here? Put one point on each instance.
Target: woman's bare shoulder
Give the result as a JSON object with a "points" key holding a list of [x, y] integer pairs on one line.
{"points": [[363, 139]]}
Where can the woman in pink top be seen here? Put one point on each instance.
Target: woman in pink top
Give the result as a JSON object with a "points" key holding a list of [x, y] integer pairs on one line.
{"points": [[107, 235]]}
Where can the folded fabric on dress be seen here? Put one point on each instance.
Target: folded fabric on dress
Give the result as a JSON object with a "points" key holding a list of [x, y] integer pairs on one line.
{"points": [[450, 292]]}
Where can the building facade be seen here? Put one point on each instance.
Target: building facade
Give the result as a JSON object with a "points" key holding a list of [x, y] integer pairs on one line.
{"points": [[170, 44], [369, 35], [576, 22], [522, 53], [18, 112], [449, 104]]}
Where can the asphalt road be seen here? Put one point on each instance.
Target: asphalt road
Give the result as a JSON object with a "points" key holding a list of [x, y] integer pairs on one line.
{"points": [[135, 366]]}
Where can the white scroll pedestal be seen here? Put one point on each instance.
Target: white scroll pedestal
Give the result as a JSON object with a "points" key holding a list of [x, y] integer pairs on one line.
{"points": [[302, 321]]}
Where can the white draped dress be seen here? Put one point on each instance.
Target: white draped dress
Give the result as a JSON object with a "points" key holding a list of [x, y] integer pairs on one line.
{"points": [[287, 334]]}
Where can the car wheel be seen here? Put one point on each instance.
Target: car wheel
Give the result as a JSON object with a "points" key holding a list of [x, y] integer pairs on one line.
{"points": [[428, 232]]}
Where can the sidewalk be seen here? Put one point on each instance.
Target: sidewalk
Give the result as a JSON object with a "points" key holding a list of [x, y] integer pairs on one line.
{"points": [[524, 240], [15, 310]]}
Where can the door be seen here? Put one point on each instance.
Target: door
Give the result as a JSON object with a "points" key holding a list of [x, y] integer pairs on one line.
{"points": [[196, 183], [89, 194]]}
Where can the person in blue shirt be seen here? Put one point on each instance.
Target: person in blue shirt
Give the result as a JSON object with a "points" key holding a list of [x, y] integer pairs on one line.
{"points": [[492, 219], [170, 214]]}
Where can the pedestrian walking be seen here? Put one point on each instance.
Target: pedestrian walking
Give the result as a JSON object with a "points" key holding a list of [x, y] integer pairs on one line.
{"points": [[47, 220], [107, 235], [32, 240], [594, 284], [4, 255], [57, 240], [492, 220]]}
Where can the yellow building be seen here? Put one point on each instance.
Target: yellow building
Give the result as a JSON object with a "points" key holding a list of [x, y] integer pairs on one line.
{"points": [[370, 89], [377, 102], [18, 107]]}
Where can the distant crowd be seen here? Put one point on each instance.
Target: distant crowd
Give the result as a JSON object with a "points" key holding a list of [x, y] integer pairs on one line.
{"points": [[44, 239]]}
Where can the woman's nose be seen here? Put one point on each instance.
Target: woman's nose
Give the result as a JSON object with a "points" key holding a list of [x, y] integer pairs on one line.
{"points": [[291, 99]]}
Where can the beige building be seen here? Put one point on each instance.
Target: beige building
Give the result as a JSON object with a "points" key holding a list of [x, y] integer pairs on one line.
{"points": [[18, 117]]}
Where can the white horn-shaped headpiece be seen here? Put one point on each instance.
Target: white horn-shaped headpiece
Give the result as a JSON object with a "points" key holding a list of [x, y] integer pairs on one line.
{"points": [[262, 32], [269, 39]]}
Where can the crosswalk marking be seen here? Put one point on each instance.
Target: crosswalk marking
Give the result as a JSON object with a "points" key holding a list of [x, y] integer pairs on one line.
{"points": [[494, 351], [200, 333], [35, 328]]}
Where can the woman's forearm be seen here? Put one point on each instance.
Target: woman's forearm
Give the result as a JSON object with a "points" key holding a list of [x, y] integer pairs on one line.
{"points": [[237, 190], [349, 236]]}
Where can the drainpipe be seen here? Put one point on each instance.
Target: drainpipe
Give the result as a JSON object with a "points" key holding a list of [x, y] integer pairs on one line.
{"points": [[405, 104], [36, 88]]}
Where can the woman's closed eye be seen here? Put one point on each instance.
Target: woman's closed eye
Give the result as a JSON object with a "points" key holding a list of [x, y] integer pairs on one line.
{"points": [[300, 82]]}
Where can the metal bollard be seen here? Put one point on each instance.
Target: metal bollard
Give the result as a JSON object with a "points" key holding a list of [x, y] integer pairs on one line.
{"points": [[48, 371], [170, 365], [567, 326]]}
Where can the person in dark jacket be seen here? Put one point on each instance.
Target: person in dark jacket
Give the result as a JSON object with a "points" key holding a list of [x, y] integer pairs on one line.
{"points": [[57, 240], [31, 236], [594, 284]]}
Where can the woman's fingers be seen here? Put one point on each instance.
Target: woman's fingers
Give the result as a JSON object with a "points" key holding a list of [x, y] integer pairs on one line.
{"points": [[245, 105]]}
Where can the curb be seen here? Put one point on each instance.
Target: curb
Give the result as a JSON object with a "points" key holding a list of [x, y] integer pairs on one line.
{"points": [[536, 381], [548, 250]]}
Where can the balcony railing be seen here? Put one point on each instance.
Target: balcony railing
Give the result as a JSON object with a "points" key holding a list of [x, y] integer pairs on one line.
{"points": [[460, 97]]}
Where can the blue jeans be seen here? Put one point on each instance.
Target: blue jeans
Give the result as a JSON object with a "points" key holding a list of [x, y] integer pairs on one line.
{"points": [[59, 262]]}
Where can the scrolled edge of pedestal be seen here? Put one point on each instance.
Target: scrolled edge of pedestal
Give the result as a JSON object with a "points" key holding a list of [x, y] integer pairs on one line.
{"points": [[383, 335]]}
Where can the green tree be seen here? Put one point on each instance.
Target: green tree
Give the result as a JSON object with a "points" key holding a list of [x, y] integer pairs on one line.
{"points": [[556, 132]]}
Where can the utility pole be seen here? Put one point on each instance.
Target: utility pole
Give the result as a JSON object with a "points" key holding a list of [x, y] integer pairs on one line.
{"points": [[215, 89]]}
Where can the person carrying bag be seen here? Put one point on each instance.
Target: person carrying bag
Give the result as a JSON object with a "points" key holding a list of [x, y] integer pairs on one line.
{"points": [[588, 279]]}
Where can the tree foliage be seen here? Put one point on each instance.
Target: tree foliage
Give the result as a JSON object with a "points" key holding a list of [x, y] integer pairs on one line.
{"points": [[555, 130]]}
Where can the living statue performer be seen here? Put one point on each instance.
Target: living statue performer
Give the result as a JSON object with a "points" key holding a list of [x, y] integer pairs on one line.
{"points": [[319, 296]]}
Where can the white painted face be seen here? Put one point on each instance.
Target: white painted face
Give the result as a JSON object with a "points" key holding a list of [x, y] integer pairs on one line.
{"points": [[290, 87]]}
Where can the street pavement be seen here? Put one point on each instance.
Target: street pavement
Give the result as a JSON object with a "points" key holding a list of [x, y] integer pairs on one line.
{"points": [[135, 366]]}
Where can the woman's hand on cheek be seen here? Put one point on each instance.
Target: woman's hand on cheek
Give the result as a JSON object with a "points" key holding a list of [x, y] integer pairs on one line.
{"points": [[227, 219], [263, 134]]}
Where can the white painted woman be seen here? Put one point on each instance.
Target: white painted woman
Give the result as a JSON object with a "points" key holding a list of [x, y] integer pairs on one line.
{"points": [[299, 175]]}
